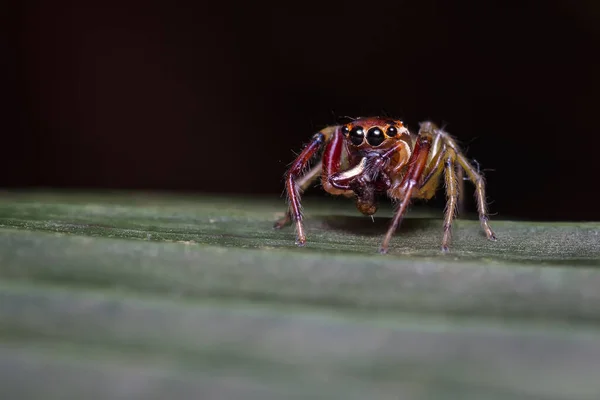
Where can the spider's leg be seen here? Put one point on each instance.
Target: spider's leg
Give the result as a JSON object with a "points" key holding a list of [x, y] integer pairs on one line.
{"points": [[452, 193], [292, 179], [332, 162], [409, 183], [303, 183], [430, 183], [292, 187], [477, 179], [479, 183], [310, 177], [460, 172]]}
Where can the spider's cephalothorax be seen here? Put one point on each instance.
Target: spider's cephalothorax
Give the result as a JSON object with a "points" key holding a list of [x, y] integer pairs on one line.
{"points": [[377, 155]]}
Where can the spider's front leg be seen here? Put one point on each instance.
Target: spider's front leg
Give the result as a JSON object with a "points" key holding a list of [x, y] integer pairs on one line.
{"points": [[302, 183], [294, 183]]}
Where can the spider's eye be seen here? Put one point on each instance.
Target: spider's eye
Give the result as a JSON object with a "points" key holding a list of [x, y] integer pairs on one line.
{"points": [[345, 130], [392, 131], [375, 136], [357, 134]]}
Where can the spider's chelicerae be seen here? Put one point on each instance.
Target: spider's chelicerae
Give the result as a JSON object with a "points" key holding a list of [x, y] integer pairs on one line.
{"points": [[376, 155]]}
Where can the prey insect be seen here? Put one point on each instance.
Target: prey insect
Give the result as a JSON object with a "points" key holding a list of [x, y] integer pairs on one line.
{"points": [[374, 155]]}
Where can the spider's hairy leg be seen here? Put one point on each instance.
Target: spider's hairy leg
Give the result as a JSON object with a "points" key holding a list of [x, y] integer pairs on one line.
{"points": [[479, 183], [409, 183], [452, 193], [293, 180], [442, 163], [303, 183], [292, 187], [461, 186]]}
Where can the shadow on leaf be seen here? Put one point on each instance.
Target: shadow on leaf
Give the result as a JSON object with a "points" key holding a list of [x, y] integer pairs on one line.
{"points": [[377, 227]]}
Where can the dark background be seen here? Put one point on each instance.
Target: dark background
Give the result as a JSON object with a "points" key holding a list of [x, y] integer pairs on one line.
{"points": [[214, 97]]}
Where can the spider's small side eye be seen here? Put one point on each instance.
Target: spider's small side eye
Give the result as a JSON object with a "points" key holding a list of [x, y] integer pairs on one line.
{"points": [[392, 131], [345, 130], [375, 136], [357, 134]]}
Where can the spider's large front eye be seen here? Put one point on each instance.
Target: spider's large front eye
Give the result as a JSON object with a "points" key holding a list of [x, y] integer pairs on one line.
{"points": [[357, 134], [375, 136], [392, 131]]}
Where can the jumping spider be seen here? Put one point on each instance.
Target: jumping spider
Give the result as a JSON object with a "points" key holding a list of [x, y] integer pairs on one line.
{"points": [[379, 155]]}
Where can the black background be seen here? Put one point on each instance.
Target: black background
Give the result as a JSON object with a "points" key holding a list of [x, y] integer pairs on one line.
{"points": [[214, 97]]}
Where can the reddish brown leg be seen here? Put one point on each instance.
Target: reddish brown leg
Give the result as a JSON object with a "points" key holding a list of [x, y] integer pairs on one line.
{"points": [[417, 164], [291, 184], [332, 159], [303, 183]]}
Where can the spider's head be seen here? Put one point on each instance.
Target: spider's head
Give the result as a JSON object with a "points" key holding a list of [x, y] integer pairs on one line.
{"points": [[374, 132]]}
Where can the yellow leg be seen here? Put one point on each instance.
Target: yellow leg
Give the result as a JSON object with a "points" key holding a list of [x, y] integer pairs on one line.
{"points": [[452, 192], [454, 165], [477, 179], [431, 182], [461, 189]]}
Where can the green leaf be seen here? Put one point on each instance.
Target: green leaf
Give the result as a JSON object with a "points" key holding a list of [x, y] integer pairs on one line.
{"points": [[112, 295]]}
